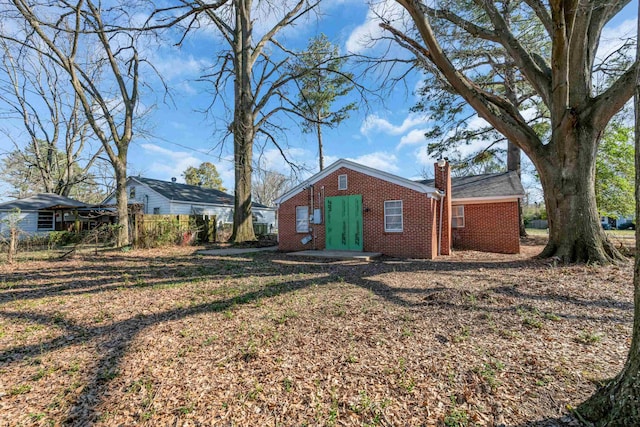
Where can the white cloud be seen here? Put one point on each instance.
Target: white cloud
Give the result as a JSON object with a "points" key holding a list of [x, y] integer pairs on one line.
{"points": [[613, 37], [414, 137], [375, 124], [423, 157], [166, 163], [362, 36], [379, 160], [173, 64], [477, 122]]}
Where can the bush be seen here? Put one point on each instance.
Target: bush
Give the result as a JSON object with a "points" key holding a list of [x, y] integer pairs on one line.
{"points": [[63, 238]]}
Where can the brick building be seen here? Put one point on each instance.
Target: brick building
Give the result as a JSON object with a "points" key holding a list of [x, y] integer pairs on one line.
{"points": [[348, 206]]}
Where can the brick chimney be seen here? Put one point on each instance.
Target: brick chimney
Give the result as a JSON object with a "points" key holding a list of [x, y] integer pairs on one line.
{"points": [[443, 183]]}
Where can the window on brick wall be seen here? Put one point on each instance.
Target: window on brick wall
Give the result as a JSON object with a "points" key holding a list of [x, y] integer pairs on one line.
{"points": [[457, 216], [393, 215], [342, 182], [302, 219]]}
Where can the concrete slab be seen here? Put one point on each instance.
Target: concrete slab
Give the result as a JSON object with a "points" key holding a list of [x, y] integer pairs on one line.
{"points": [[237, 251], [364, 256]]}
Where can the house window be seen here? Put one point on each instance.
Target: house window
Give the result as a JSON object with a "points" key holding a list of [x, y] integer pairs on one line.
{"points": [[393, 215], [457, 216], [302, 219], [45, 220], [132, 192], [156, 211], [342, 182]]}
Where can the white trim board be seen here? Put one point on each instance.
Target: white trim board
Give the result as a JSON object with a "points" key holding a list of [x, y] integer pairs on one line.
{"points": [[347, 164]]}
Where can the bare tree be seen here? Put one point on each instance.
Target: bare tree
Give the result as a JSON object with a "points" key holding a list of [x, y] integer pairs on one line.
{"points": [[76, 37], [268, 185], [257, 68], [57, 156], [561, 81]]}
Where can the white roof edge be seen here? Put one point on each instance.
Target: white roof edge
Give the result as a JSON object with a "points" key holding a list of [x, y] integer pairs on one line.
{"points": [[488, 199], [376, 173]]}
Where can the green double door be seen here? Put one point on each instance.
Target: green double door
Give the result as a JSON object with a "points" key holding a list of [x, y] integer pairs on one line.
{"points": [[343, 219]]}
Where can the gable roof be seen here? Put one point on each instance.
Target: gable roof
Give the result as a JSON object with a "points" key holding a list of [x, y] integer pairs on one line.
{"points": [[189, 193], [376, 173], [487, 186], [42, 201]]}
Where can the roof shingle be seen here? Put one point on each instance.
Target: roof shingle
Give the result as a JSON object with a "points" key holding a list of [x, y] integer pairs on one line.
{"points": [[189, 193], [502, 184], [42, 201]]}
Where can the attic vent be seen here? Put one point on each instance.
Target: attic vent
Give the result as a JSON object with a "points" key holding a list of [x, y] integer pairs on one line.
{"points": [[342, 182], [173, 179]]}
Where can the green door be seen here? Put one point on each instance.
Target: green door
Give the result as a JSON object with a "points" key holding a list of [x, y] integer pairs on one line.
{"points": [[343, 219]]}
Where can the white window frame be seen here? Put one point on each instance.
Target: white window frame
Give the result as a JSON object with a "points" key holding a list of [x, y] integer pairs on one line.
{"points": [[342, 182], [41, 222], [457, 216], [302, 219], [132, 192], [388, 215]]}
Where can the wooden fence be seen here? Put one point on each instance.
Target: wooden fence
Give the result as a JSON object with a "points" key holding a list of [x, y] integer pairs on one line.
{"points": [[180, 228]]}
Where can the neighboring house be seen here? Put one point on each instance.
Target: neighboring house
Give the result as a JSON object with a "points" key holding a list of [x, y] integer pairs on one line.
{"points": [[41, 213], [348, 206], [172, 198]]}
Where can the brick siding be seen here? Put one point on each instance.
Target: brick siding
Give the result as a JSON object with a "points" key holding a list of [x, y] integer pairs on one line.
{"points": [[417, 240], [489, 227]]}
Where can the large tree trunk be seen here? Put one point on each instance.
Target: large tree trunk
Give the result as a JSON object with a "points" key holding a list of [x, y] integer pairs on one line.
{"points": [[243, 124], [122, 238], [242, 214], [575, 233]]}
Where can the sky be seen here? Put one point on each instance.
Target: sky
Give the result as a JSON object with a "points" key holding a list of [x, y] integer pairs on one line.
{"points": [[383, 133]]}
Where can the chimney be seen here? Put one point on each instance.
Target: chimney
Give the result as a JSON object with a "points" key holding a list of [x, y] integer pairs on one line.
{"points": [[173, 179], [443, 184]]}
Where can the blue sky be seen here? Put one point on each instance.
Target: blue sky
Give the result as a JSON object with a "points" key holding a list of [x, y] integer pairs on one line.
{"points": [[382, 135]]}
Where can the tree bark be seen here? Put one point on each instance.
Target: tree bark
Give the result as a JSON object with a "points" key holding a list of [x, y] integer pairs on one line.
{"points": [[568, 178], [319, 134], [243, 123], [242, 214], [566, 163], [122, 237], [13, 239]]}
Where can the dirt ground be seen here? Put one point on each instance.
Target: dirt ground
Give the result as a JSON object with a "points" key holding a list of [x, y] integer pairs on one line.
{"points": [[169, 337]]}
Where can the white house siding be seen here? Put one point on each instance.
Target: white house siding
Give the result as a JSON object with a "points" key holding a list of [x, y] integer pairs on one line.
{"points": [[147, 197], [224, 214], [267, 216], [28, 224]]}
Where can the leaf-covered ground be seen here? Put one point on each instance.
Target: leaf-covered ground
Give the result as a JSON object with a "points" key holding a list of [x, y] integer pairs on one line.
{"points": [[169, 337]]}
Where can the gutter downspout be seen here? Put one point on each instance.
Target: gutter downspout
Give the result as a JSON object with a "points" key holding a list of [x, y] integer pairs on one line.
{"points": [[442, 194]]}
